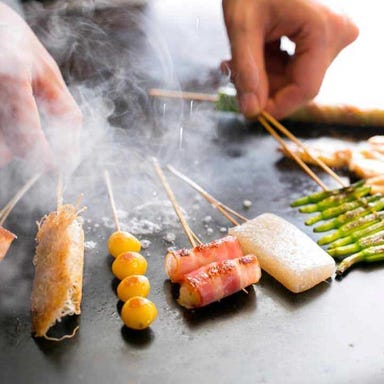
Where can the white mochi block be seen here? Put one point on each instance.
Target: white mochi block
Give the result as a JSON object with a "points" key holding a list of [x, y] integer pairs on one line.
{"points": [[285, 252]]}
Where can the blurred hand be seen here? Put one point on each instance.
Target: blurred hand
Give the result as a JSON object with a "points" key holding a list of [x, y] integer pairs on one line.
{"points": [[267, 78], [31, 84]]}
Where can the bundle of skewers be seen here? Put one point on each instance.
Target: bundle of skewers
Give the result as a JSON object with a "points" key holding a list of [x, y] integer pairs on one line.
{"points": [[352, 212]]}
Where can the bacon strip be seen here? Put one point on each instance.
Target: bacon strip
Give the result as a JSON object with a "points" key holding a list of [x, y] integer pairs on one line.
{"points": [[6, 239], [218, 280], [180, 262]]}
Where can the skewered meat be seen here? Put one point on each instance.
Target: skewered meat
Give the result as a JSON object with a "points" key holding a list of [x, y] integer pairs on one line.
{"points": [[182, 261], [217, 280]]}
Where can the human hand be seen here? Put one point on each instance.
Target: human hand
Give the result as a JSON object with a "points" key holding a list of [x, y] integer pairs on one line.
{"points": [[31, 86], [267, 78]]}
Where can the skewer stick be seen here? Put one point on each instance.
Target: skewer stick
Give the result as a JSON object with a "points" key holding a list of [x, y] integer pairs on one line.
{"points": [[155, 92], [225, 210], [59, 191], [112, 200], [4, 213], [192, 237], [300, 162], [300, 144]]}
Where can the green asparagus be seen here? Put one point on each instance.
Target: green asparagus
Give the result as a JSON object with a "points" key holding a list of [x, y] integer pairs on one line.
{"points": [[332, 212], [357, 219], [362, 243], [369, 255], [318, 196], [349, 228]]}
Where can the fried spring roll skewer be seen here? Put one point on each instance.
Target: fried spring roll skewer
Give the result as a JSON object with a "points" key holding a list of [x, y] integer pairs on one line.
{"points": [[57, 286]]}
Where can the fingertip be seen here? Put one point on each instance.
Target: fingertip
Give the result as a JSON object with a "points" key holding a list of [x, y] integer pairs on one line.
{"points": [[249, 104]]}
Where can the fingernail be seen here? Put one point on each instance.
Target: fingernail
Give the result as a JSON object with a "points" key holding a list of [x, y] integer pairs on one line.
{"points": [[249, 104]]}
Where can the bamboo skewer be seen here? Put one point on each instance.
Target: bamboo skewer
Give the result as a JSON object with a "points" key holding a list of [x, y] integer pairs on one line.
{"points": [[59, 191], [4, 213], [192, 237], [112, 200], [300, 144], [300, 162], [225, 210], [199, 96], [263, 118]]}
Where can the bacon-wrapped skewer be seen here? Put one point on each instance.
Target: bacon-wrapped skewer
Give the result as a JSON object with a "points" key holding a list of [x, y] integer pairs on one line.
{"points": [[224, 269], [180, 262], [218, 280]]}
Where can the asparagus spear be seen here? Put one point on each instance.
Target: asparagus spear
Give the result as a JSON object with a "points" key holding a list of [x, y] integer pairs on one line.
{"points": [[370, 255], [335, 200], [343, 233], [362, 243], [342, 208], [376, 205], [227, 100], [318, 196], [366, 231]]}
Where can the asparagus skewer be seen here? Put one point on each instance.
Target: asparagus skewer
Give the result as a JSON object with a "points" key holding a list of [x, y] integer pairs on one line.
{"points": [[377, 205], [342, 234], [358, 221], [343, 208], [355, 236], [362, 243], [318, 196], [372, 254], [335, 200]]}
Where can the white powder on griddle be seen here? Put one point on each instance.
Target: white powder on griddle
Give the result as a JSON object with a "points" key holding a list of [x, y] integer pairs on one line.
{"points": [[90, 244], [150, 218], [207, 219], [170, 237], [145, 244]]}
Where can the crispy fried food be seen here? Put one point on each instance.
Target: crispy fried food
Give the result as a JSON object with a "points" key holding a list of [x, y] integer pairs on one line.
{"points": [[57, 286]]}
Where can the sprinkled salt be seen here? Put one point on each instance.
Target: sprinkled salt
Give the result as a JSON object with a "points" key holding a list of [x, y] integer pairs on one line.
{"points": [[145, 243], [90, 244], [108, 222], [170, 237], [207, 219], [223, 229], [209, 230], [247, 204]]}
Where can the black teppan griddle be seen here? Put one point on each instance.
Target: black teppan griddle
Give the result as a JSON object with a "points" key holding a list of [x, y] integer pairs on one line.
{"points": [[330, 334]]}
